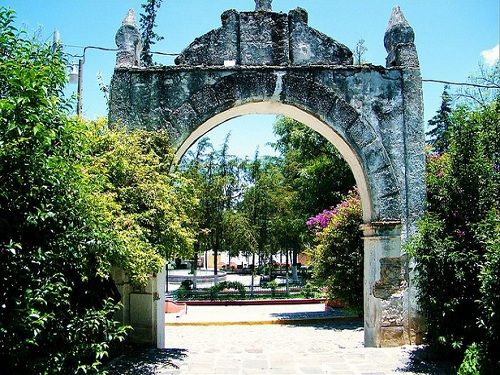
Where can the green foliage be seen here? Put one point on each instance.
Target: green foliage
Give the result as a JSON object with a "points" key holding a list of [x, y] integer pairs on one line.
{"points": [[187, 284], [260, 206], [148, 23], [310, 290], [440, 123], [489, 320], [240, 234], [456, 247], [337, 258], [313, 167], [216, 176], [470, 365], [223, 285], [55, 252], [182, 293], [149, 207], [273, 285]]}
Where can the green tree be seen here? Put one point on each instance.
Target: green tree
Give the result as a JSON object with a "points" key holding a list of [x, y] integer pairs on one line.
{"points": [[149, 206], [148, 23], [314, 170], [55, 252], [217, 176], [440, 123], [455, 247], [240, 235], [313, 167]]}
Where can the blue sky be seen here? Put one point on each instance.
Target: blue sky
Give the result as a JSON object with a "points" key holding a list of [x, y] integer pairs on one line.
{"points": [[450, 38]]}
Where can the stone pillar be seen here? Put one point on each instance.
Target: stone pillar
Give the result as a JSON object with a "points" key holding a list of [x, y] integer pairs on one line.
{"points": [[129, 42], [159, 300], [399, 41], [143, 309], [384, 285]]}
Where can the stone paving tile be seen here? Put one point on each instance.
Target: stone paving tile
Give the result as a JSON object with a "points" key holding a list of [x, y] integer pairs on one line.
{"points": [[272, 349], [310, 370]]}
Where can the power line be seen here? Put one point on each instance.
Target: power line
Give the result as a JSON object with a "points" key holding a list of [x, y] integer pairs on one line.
{"points": [[177, 54], [116, 49], [462, 84]]}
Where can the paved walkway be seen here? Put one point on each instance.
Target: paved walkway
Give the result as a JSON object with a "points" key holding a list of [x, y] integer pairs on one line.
{"points": [[316, 348], [257, 314]]}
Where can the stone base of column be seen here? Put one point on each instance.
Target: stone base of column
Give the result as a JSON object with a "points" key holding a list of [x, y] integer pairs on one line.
{"points": [[386, 303]]}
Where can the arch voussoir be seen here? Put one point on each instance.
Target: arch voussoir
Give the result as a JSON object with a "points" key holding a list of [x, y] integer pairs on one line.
{"points": [[386, 196], [376, 157], [258, 85], [299, 89], [360, 133]]}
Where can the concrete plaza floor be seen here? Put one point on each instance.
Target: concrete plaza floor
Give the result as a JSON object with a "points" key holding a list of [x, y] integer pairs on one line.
{"points": [[329, 347], [256, 314]]}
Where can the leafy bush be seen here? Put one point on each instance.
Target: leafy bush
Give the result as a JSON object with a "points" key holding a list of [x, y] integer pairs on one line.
{"points": [[309, 290], [456, 247], [470, 365], [55, 249], [147, 206], [489, 319], [337, 258], [219, 287], [182, 292], [273, 285], [75, 199], [187, 284]]}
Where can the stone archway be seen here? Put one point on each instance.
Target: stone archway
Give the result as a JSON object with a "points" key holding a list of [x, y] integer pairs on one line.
{"points": [[268, 62]]}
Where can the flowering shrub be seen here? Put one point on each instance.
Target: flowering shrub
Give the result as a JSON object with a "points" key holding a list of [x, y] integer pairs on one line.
{"points": [[457, 246], [337, 258]]}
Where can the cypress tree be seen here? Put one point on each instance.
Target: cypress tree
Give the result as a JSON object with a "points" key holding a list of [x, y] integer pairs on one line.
{"points": [[440, 123]]}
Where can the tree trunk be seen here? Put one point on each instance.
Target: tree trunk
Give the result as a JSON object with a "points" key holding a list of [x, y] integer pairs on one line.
{"points": [[286, 275], [216, 251], [215, 261], [195, 263], [270, 266], [295, 277], [253, 274]]}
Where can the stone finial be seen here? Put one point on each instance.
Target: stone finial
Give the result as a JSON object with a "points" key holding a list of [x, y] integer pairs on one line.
{"points": [[129, 42], [397, 18], [263, 5], [398, 30], [399, 41], [130, 18]]}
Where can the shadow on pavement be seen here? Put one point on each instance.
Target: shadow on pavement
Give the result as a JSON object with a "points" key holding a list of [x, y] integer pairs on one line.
{"points": [[356, 325], [146, 361], [422, 361]]}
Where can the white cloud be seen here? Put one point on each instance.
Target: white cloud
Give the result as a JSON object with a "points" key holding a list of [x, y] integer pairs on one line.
{"points": [[491, 55]]}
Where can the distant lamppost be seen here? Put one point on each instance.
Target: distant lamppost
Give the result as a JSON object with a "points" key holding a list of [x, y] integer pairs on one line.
{"points": [[76, 76], [76, 73], [128, 40]]}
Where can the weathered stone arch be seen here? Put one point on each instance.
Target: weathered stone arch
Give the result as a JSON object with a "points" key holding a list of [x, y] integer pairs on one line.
{"points": [[378, 187], [267, 62]]}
